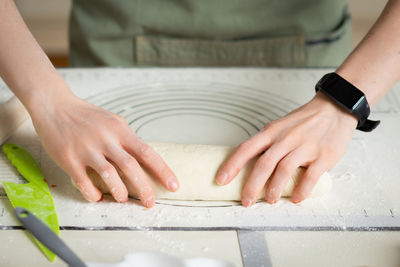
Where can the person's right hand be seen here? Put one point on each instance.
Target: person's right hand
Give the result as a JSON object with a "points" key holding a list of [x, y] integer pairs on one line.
{"points": [[78, 135]]}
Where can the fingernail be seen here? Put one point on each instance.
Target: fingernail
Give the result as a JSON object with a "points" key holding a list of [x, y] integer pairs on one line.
{"points": [[172, 185], [87, 196], [101, 198], [113, 190], [116, 196], [122, 200], [272, 197], [272, 201], [296, 200], [247, 202], [148, 202], [222, 178]]}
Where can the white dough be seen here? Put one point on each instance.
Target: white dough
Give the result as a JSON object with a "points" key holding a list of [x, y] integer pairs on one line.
{"points": [[196, 167], [12, 115]]}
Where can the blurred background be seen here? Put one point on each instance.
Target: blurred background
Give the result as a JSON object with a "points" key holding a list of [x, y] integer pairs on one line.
{"points": [[48, 21]]}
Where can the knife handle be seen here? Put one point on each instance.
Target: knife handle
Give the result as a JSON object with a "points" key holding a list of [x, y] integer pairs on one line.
{"points": [[47, 237]]}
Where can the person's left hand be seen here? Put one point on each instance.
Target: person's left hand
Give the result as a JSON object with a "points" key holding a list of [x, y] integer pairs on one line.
{"points": [[314, 136]]}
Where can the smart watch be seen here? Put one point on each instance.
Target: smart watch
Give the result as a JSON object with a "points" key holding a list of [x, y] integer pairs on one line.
{"points": [[346, 95]]}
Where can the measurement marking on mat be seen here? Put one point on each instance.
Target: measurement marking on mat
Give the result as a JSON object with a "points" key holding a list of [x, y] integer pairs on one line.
{"points": [[391, 213], [365, 212], [313, 213], [340, 214]]}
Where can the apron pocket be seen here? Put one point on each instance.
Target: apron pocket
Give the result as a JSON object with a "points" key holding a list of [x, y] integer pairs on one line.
{"points": [[288, 51], [331, 48]]}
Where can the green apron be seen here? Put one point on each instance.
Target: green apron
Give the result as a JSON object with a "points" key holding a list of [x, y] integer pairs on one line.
{"points": [[274, 33]]}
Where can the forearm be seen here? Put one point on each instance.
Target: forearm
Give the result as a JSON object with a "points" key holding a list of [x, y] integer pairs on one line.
{"points": [[374, 66], [23, 65]]}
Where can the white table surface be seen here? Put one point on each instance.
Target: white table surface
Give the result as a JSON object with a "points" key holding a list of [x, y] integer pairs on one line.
{"points": [[356, 224]]}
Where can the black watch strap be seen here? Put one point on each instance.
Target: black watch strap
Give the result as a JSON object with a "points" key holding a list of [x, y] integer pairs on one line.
{"points": [[349, 97]]}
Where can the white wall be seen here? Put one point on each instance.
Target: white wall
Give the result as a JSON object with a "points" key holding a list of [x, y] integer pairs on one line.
{"points": [[364, 14], [48, 21]]}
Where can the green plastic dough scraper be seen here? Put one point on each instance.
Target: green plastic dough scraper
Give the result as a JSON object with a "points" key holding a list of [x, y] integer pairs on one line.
{"points": [[34, 196]]}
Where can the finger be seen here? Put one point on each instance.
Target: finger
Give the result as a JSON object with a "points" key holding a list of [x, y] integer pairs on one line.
{"points": [[84, 184], [242, 154], [134, 174], [262, 170], [285, 171], [309, 180], [110, 177], [153, 162]]}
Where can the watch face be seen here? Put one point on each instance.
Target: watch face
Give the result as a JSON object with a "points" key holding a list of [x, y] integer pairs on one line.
{"points": [[345, 93], [349, 97]]}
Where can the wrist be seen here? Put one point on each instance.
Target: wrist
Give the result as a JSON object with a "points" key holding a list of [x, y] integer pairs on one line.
{"points": [[346, 95], [47, 98], [326, 105], [364, 81]]}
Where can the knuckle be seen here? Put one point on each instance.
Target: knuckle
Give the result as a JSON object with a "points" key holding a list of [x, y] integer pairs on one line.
{"points": [[79, 182], [145, 191], [104, 136], [280, 147], [127, 162], [312, 146], [119, 118], [65, 152], [146, 151], [78, 175], [293, 132], [244, 146], [264, 162], [68, 155], [264, 159], [88, 148], [108, 168], [312, 178], [286, 167], [311, 175], [313, 120], [134, 178], [328, 152], [270, 126], [115, 122]]}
